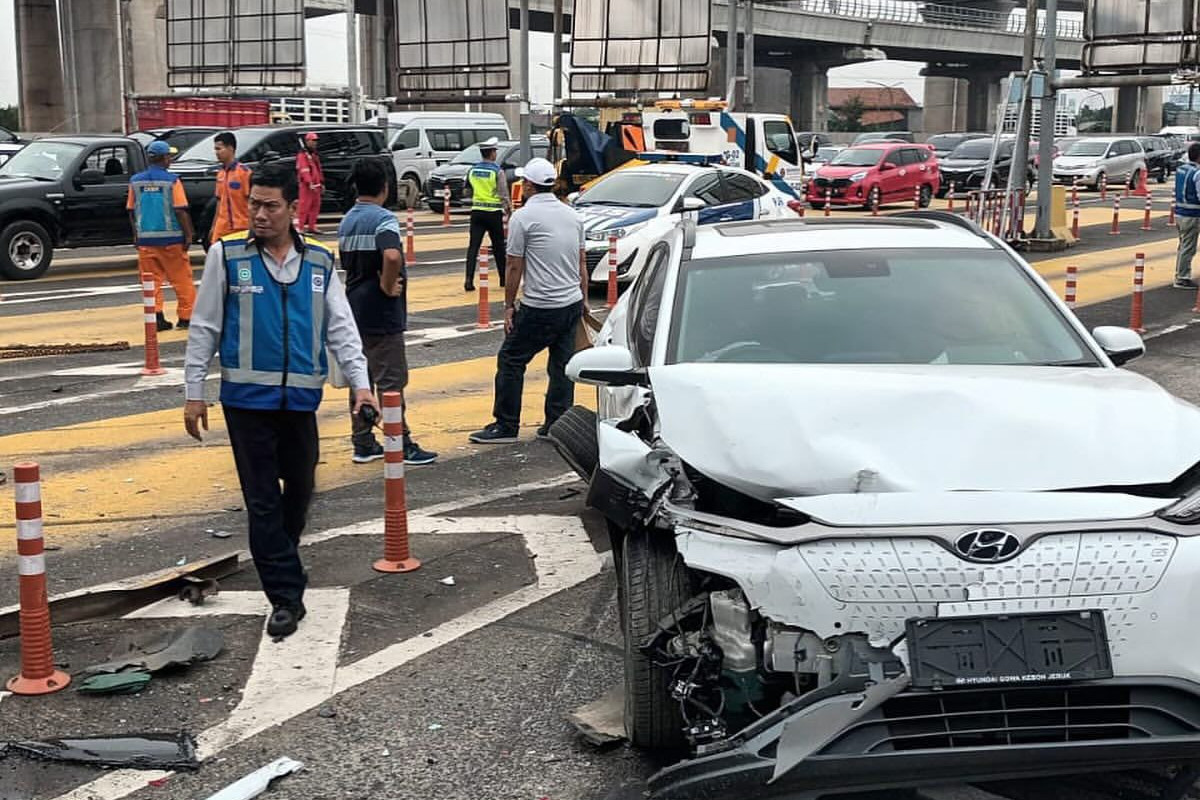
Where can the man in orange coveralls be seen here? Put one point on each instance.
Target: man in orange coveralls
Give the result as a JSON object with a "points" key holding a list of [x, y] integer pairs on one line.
{"points": [[312, 181], [162, 228], [233, 189]]}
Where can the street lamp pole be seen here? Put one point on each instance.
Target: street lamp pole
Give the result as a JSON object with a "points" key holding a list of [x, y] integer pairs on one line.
{"points": [[558, 40]]}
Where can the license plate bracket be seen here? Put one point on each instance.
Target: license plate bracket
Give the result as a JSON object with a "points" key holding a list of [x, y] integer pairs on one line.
{"points": [[1007, 649]]}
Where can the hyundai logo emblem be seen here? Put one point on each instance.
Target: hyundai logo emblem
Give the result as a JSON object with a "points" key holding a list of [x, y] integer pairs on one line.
{"points": [[987, 545]]}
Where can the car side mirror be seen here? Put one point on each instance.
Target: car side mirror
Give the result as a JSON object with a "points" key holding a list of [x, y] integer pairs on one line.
{"points": [[886, 166], [692, 204], [398, 146], [90, 177], [606, 365], [1121, 345]]}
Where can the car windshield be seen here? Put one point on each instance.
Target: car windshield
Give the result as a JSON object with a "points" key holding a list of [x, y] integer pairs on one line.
{"points": [[1086, 147], [946, 141], [889, 306], [974, 149], [472, 155], [826, 153], [43, 160], [142, 138], [857, 157], [203, 149], [632, 187]]}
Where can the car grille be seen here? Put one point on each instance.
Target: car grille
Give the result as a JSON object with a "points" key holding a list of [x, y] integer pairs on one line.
{"points": [[434, 187], [831, 183], [996, 717], [594, 257]]}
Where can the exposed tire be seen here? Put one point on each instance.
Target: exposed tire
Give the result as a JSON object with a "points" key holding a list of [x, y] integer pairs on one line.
{"points": [[26, 251], [1162, 175], [436, 208], [816, 206], [574, 436], [1135, 179], [655, 582], [1100, 178], [926, 195]]}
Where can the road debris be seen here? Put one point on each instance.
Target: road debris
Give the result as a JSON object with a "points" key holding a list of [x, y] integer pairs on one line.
{"points": [[258, 781], [327, 712], [447, 581], [141, 751], [115, 683], [602, 722], [177, 648]]}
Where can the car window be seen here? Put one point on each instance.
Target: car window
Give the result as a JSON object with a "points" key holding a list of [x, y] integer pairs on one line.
{"points": [[447, 139], [640, 187], [112, 161], [1006, 149], [779, 141], [360, 143], [739, 188], [909, 155], [409, 138], [880, 306], [1087, 147], [708, 188], [645, 302], [477, 135], [858, 157], [283, 144]]}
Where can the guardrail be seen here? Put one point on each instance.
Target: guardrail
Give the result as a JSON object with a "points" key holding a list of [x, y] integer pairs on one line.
{"points": [[944, 16]]}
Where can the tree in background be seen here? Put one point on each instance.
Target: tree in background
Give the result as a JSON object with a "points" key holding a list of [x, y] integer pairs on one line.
{"points": [[1094, 120], [849, 116], [10, 118]]}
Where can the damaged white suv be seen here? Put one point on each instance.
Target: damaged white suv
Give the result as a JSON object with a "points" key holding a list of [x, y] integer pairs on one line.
{"points": [[884, 513]]}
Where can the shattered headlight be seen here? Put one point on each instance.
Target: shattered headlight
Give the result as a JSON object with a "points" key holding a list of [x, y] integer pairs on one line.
{"points": [[1185, 512]]}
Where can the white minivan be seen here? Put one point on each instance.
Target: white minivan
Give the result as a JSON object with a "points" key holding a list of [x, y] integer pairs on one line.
{"points": [[423, 140]]}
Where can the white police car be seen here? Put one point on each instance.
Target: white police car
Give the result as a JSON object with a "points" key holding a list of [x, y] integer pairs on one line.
{"points": [[641, 204]]}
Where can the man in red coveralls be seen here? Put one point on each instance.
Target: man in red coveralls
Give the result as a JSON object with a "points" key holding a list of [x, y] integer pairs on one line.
{"points": [[312, 181]]}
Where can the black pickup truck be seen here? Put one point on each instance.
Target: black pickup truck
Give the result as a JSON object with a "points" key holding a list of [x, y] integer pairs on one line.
{"points": [[64, 191]]}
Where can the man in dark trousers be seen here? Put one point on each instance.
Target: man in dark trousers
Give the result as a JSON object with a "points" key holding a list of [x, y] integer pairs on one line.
{"points": [[270, 303], [547, 262], [376, 281], [1187, 208], [489, 204]]}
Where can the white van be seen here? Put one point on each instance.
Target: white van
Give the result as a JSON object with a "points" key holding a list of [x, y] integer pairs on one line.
{"points": [[423, 140]]}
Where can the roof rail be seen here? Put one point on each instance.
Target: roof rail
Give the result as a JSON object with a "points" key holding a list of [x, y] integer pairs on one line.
{"points": [[942, 216]]}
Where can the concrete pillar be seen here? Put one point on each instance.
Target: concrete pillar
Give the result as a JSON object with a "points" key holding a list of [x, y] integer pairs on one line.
{"points": [[1137, 109], [371, 55], [945, 104], [93, 28], [148, 18], [983, 96], [39, 66], [810, 97]]}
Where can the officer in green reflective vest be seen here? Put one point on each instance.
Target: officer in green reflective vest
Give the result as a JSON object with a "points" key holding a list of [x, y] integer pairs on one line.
{"points": [[489, 204]]}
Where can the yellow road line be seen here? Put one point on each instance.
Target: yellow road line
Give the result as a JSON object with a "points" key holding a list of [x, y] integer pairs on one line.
{"points": [[143, 465], [124, 322]]}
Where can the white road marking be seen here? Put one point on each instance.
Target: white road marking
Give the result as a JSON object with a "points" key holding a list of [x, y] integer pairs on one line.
{"points": [[246, 604], [276, 691]]}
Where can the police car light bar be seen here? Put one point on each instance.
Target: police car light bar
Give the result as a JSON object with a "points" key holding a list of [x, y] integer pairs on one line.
{"points": [[697, 159]]}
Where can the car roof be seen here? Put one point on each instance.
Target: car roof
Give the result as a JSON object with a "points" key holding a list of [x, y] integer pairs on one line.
{"points": [[849, 233], [887, 145], [86, 138], [675, 168]]}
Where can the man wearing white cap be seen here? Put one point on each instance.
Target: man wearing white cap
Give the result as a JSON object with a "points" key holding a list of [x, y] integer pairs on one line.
{"points": [[548, 265], [489, 202]]}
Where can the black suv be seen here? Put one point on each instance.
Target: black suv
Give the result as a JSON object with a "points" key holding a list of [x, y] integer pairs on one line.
{"points": [[340, 147], [1160, 157], [967, 164], [453, 175]]}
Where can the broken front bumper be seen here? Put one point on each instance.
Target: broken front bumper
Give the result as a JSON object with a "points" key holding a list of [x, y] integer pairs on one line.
{"points": [[889, 736]]}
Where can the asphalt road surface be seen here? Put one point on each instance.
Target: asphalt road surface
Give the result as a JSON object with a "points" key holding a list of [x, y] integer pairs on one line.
{"points": [[397, 686]]}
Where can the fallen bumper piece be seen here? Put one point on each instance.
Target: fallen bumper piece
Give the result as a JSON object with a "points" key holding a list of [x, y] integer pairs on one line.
{"points": [[143, 751], [120, 683], [258, 781], [178, 648]]}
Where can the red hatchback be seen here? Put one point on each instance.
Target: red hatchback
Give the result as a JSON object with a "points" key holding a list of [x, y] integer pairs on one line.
{"points": [[876, 173]]}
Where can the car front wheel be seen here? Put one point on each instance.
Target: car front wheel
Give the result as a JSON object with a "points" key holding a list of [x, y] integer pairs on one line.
{"points": [[25, 251], [654, 583], [874, 198], [926, 196]]}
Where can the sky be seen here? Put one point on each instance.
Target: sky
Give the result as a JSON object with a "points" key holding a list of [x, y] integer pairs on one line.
{"points": [[327, 65]]}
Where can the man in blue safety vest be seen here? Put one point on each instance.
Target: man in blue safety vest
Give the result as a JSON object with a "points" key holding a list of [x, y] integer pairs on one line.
{"points": [[489, 204], [270, 302], [1187, 208]]}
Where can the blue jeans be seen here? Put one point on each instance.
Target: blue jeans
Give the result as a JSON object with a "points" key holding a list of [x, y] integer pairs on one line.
{"points": [[535, 330]]}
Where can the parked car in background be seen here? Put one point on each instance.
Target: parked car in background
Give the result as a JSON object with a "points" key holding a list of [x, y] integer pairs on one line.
{"points": [[826, 154], [453, 176], [884, 136], [180, 138], [339, 146], [1160, 158], [10, 143], [876, 173], [1104, 159], [944, 143], [967, 166], [422, 141]]}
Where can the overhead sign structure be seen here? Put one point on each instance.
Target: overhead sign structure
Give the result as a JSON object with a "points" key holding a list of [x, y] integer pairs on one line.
{"points": [[453, 46], [232, 43], [1140, 36], [640, 46]]}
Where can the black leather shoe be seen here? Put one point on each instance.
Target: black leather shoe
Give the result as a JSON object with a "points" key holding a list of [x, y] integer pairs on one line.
{"points": [[469, 286], [284, 620]]}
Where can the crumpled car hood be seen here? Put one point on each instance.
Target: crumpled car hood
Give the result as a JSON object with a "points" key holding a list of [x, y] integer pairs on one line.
{"points": [[775, 431]]}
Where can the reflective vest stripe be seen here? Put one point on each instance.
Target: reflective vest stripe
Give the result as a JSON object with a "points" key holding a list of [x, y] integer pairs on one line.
{"points": [[260, 377]]}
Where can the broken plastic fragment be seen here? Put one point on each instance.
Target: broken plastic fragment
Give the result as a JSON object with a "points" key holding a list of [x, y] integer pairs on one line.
{"points": [[178, 648], [258, 781], [119, 683], [145, 751], [447, 581]]}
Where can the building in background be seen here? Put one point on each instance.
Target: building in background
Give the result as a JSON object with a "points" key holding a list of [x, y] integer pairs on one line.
{"points": [[873, 108]]}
